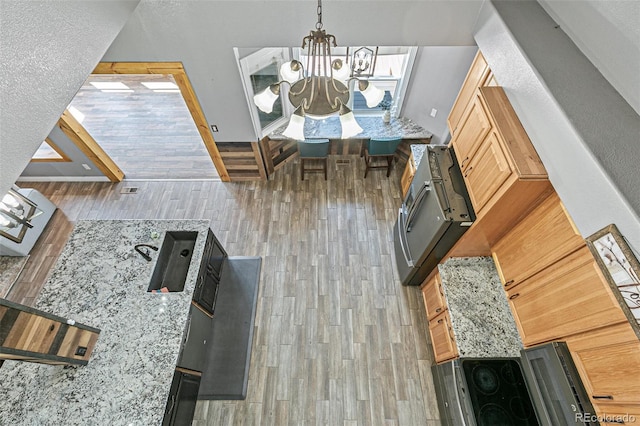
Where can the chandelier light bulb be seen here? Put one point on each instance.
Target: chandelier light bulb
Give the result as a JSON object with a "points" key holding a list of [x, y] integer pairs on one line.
{"points": [[10, 201], [6, 223], [295, 129], [350, 126], [371, 93], [290, 71], [265, 99], [340, 72]]}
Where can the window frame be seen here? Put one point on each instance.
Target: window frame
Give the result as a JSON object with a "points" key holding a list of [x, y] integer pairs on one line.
{"points": [[250, 64]]}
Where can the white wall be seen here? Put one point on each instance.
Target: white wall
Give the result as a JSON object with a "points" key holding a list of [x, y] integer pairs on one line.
{"points": [[47, 50], [67, 171], [438, 74], [608, 33], [585, 133]]}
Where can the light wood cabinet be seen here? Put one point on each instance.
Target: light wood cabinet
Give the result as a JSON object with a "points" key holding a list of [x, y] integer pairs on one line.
{"points": [[433, 295], [502, 171], [544, 236], [617, 414], [474, 127], [608, 360], [569, 298], [407, 175], [444, 344], [487, 172], [477, 76], [440, 330]]}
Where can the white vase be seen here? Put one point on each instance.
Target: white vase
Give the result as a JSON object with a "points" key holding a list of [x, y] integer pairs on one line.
{"points": [[386, 117]]}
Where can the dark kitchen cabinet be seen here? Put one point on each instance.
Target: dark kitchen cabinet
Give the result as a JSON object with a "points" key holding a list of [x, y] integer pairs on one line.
{"points": [[208, 282], [183, 396]]}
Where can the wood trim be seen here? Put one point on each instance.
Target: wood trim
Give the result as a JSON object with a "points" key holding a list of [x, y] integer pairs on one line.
{"points": [[176, 69], [62, 159], [243, 160], [85, 142]]}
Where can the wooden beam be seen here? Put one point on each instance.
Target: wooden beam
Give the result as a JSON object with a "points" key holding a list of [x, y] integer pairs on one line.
{"points": [[180, 76], [83, 140]]}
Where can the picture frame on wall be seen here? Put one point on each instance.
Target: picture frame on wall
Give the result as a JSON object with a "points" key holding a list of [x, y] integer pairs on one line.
{"points": [[621, 268]]}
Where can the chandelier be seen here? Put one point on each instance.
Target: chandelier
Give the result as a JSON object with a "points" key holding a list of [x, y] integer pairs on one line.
{"points": [[320, 89]]}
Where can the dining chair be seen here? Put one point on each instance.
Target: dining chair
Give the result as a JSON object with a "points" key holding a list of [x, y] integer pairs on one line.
{"points": [[313, 150], [380, 148]]}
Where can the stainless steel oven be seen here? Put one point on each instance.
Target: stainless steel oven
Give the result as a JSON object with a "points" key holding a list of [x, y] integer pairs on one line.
{"points": [[434, 215], [542, 387]]}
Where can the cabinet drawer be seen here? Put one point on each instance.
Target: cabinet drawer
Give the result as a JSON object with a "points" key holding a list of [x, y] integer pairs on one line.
{"points": [[618, 414], [545, 235], [433, 296], [444, 345], [570, 297]]}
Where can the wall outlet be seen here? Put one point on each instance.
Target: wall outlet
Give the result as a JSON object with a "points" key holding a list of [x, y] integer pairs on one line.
{"points": [[214, 128], [433, 112], [86, 166]]}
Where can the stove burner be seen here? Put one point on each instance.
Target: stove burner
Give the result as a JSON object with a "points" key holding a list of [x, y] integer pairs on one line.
{"points": [[508, 374], [485, 379], [494, 415], [520, 408]]}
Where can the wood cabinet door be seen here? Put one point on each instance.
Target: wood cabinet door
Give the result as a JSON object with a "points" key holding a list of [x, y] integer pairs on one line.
{"points": [[478, 73], [473, 129], [433, 296], [444, 345], [545, 235], [487, 172], [567, 298], [612, 372], [608, 360]]}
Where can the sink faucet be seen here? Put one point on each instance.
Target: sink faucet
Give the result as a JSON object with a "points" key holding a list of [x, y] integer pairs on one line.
{"points": [[145, 253]]}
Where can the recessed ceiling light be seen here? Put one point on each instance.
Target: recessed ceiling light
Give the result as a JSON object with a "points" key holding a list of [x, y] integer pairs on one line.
{"points": [[109, 85], [159, 85], [117, 90], [167, 91]]}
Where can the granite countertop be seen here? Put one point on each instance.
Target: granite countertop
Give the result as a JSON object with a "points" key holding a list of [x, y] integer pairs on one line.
{"points": [[372, 127], [418, 151], [481, 319], [100, 281]]}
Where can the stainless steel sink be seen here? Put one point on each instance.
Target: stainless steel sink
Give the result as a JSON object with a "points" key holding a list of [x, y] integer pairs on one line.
{"points": [[173, 262]]}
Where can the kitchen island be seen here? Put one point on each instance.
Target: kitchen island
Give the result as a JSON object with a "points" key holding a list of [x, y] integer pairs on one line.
{"points": [[99, 280]]}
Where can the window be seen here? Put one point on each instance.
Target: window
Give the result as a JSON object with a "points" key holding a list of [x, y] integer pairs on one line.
{"points": [[259, 69], [391, 74]]}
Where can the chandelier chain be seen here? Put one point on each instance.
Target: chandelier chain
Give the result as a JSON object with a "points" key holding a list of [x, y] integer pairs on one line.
{"points": [[319, 10]]}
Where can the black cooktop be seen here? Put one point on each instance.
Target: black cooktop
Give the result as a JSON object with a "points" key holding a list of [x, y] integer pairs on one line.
{"points": [[498, 392]]}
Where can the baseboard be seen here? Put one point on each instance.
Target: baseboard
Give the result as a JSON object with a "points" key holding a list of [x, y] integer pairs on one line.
{"points": [[63, 179]]}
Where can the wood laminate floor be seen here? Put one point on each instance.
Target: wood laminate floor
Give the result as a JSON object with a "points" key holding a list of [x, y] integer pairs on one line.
{"points": [[149, 134], [337, 339]]}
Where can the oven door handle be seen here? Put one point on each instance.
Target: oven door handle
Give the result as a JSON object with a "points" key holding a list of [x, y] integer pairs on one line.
{"points": [[424, 191], [400, 237], [457, 390]]}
